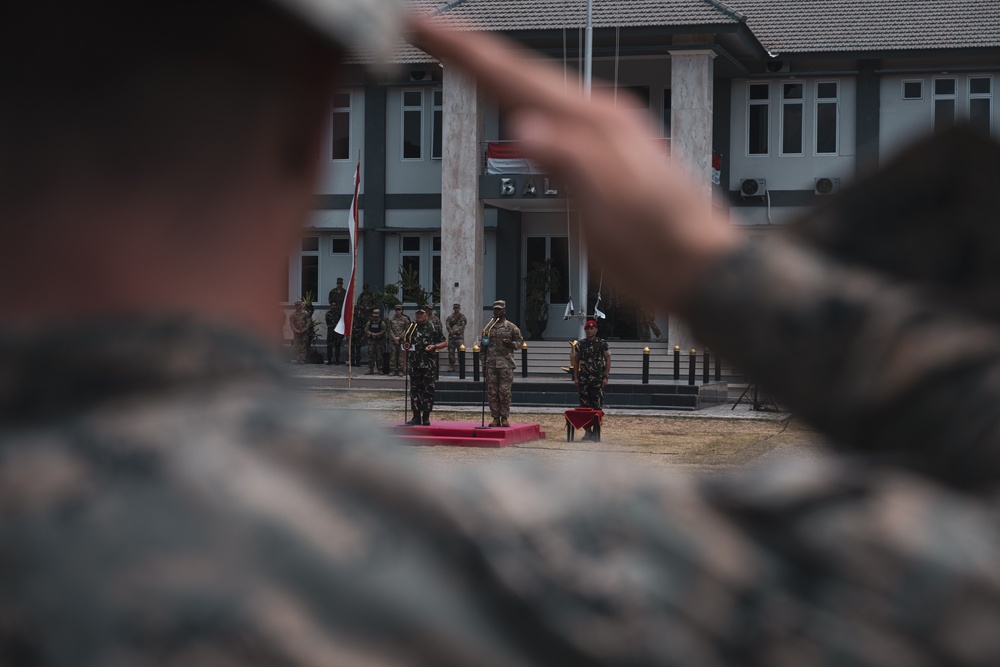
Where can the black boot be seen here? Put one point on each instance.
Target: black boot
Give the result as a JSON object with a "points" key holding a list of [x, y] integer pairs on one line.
{"points": [[427, 418], [416, 417]]}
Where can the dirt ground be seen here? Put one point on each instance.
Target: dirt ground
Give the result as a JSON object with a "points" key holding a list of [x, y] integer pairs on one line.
{"points": [[684, 443]]}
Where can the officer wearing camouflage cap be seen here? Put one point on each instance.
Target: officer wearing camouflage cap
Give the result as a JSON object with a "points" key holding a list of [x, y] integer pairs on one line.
{"points": [[501, 338]]}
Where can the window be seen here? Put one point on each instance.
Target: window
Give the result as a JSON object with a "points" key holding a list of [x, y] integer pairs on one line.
{"points": [[944, 104], [413, 114], [980, 102], [309, 267], [340, 127], [913, 90], [758, 118], [340, 245], [556, 250], [421, 264], [827, 117], [438, 124], [667, 110], [792, 95]]}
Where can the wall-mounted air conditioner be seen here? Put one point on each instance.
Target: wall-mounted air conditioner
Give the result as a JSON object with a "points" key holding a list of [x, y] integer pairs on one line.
{"points": [[753, 187], [826, 186]]}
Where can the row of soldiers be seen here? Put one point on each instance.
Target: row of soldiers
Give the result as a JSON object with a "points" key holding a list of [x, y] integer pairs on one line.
{"points": [[380, 334]]}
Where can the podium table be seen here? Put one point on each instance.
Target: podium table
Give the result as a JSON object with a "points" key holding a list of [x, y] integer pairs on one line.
{"points": [[581, 418]]}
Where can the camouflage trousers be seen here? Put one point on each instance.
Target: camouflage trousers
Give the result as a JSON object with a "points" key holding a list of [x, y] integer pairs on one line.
{"points": [[301, 344], [375, 356], [333, 342], [498, 383], [422, 388], [591, 392], [395, 358], [453, 345]]}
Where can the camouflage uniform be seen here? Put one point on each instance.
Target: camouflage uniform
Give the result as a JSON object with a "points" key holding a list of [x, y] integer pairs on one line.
{"points": [[499, 366], [591, 371], [365, 305], [375, 333], [301, 326], [422, 366], [397, 327], [456, 323], [333, 339]]}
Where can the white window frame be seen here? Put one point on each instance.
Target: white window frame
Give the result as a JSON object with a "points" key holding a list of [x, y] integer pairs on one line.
{"points": [[935, 97], [817, 101], [437, 111], [350, 126], [408, 109], [766, 103], [299, 266], [980, 96], [801, 102], [902, 89]]}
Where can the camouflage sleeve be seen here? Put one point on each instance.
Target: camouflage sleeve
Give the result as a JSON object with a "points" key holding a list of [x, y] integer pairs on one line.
{"points": [[877, 364]]}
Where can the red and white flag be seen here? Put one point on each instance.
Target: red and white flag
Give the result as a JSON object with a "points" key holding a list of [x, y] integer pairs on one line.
{"points": [[347, 308]]}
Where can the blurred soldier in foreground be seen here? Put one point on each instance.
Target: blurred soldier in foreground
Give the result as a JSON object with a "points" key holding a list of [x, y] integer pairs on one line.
{"points": [[421, 344], [500, 337], [456, 323], [166, 500], [398, 324]]}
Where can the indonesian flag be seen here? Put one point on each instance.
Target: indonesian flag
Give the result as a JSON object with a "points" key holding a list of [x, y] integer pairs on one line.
{"points": [[347, 308], [506, 158]]}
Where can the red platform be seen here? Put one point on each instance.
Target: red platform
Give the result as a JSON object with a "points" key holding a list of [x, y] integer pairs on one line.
{"points": [[467, 434]]}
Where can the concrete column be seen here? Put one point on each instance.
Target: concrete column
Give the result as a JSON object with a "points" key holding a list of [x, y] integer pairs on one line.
{"points": [[461, 210], [691, 115]]}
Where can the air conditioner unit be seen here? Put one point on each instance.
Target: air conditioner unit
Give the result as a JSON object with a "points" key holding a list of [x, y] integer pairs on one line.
{"points": [[753, 187], [826, 186], [777, 66], [419, 75]]}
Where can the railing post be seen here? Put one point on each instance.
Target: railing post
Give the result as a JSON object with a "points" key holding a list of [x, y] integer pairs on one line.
{"points": [[645, 365], [524, 360], [475, 363], [704, 367], [677, 362], [692, 362], [461, 362]]}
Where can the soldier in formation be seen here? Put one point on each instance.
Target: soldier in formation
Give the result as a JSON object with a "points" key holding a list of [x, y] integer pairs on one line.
{"points": [[591, 370], [365, 304], [501, 339], [421, 344], [398, 324], [301, 326], [338, 293], [456, 323], [376, 333], [333, 339]]}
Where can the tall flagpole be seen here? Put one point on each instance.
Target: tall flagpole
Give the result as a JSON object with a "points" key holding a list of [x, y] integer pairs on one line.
{"points": [[588, 62]]}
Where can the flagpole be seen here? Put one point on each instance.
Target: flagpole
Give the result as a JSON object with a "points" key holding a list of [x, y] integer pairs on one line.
{"points": [[588, 74]]}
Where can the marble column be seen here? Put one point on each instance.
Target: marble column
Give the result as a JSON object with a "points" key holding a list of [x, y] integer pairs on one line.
{"points": [[461, 210], [691, 82]]}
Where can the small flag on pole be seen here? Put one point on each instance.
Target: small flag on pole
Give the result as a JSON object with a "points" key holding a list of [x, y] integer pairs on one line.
{"points": [[347, 308]]}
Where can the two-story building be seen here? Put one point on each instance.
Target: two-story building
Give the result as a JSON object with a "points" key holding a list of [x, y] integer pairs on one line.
{"points": [[771, 105]]}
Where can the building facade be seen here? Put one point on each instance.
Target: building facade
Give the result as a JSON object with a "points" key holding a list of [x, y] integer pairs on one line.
{"points": [[771, 104]]}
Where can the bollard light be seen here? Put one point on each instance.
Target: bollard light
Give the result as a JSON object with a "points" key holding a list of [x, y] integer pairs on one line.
{"points": [[692, 362], [677, 362], [645, 365], [461, 362], [524, 360], [475, 363]]}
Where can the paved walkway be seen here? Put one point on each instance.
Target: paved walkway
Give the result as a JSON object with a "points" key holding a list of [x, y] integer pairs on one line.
{"points": [[335, 379]]}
